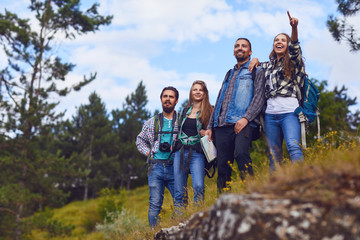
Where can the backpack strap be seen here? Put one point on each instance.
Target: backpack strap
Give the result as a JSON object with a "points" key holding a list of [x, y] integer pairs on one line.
{"points": [[299, 93], [181, 119], [158, 123], [227, 75], [187, 167], [182, 116], [253, 74], [190, 148]]}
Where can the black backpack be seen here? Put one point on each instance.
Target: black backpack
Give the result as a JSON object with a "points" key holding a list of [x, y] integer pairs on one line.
{"points": [[208, 165]]}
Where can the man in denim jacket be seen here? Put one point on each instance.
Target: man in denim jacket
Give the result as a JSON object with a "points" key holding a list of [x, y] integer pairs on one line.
{"points": [[239, 102], [158, 148]]}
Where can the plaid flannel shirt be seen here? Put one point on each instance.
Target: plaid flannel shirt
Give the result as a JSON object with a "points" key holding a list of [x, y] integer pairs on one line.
{"points": [[280, 86], [145, 139]]}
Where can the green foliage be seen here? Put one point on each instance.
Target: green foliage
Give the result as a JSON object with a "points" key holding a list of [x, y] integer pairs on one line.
{"points": [[340, 28], [91, 148], [44, 222], [127, 124], [336, 152], [90, 218], [29, 163], [258, 153], [120, 225], [335, 114], [183, 105], [112, 201]]}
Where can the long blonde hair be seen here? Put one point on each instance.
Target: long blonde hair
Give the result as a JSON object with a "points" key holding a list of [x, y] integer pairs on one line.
{"points": [[206, 108]]}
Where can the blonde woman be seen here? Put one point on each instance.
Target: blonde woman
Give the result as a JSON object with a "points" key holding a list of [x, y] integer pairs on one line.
{"points": [[189, 157]]}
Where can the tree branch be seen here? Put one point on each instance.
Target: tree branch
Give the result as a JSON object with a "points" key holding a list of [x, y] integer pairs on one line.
{"points": [[8, 211]]}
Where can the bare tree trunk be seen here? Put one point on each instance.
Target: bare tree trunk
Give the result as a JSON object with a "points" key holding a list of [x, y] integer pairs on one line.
{"points": [[18, 215], [18, 232], [86, 189], [129, 178], [89, 155]]}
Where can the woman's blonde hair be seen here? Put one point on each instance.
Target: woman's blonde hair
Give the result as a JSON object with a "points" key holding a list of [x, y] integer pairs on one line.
{"points": [[206, 108]]}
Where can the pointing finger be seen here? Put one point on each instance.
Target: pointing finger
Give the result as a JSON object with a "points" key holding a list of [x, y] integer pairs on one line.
{"points": [[289, 15]]}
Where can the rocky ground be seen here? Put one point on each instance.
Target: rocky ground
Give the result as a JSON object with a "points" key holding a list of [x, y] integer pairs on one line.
{"points": [[319, 205]]}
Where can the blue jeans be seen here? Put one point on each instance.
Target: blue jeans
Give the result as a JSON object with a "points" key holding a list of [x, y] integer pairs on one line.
{"points": [[197, 172], [161, 176], [278, 127]]}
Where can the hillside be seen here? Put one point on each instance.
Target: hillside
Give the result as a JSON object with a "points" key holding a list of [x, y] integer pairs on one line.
{"points": [[329, 177], [313, 201]]}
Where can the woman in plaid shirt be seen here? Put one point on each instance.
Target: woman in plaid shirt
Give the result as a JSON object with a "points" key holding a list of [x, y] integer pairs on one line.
{"points": [[284, 70]]}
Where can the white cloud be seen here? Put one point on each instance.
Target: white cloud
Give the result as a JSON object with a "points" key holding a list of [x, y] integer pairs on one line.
{"points": [[341, 63], [122, 54], [178, 21], [140, 29], [272, 17]]}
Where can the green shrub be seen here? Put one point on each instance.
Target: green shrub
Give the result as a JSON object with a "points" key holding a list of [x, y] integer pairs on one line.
{"points": [[90, 219], [120, 225], [53, 227], [112, 201]]}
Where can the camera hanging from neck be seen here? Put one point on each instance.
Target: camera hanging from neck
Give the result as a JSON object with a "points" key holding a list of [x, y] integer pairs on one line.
{"points": [[158, 127], [159, 118]]}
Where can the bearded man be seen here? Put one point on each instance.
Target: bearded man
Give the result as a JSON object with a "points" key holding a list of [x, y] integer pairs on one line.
{"points": [[239, 102], [155, 141]]}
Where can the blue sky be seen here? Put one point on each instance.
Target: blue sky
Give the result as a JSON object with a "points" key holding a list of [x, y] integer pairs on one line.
{"points": [[174, 42]]}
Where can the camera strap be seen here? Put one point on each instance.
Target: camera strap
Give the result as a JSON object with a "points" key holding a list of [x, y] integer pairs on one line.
{"points": [[158, 124], [158, 127]]}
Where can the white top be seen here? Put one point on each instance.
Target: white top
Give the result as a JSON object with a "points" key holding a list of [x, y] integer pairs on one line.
{"points": [[279, 105]]}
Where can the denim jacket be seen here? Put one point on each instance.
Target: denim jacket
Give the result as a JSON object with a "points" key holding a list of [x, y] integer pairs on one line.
{"points": [[241, 98]]}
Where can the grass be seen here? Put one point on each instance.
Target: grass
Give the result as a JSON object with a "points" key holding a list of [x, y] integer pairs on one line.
{"points": [[330, 172], [79, 214]]}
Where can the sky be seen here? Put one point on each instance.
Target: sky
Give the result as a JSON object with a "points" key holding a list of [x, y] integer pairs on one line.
{"points": [[175, 42]]}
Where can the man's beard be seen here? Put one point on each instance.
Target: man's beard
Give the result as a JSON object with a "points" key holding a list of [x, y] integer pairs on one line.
{"points": [[240, 59], [168, 109]]}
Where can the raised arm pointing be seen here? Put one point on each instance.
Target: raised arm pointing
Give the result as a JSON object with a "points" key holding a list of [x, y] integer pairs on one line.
{"points": [[293, 23]]}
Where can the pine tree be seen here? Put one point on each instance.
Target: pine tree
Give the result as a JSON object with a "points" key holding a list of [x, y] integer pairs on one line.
{"points": [[340, 28], [127, 124], [93, 142], [28, 85]]}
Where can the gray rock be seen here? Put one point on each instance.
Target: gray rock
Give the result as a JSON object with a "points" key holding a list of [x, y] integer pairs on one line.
{"points": [[263, 216]]}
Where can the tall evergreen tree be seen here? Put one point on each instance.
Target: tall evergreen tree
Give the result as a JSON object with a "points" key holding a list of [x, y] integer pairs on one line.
{"points": [[92, 137], [28, 178], [127, 123]]}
